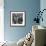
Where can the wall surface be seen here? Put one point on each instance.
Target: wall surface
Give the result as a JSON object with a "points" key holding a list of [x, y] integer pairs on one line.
{"points": [[30, 7], [43, 6]]}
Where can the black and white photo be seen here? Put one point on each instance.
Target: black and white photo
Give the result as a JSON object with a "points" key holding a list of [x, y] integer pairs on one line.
{"points": [[17, 18]]}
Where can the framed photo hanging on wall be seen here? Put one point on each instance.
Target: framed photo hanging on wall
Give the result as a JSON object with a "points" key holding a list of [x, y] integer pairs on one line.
{"points": [[17, 18]]}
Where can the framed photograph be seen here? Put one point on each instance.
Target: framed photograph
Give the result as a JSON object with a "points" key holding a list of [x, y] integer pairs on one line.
{"points": [[17, 18]]}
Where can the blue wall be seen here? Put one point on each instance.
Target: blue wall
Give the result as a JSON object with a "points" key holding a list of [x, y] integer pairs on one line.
{"points": [[43, 6], [30, 7]]}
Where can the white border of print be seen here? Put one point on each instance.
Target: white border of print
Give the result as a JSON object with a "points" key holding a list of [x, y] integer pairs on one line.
{"points": [[23, 24]]}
